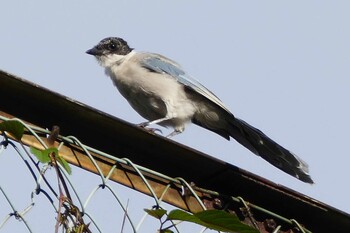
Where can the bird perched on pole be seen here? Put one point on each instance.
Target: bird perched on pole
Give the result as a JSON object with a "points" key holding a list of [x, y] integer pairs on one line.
{"points": [[163, 93]]}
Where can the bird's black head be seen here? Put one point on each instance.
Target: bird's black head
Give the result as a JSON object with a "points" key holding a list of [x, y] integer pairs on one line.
{"points": [[110, 45]]}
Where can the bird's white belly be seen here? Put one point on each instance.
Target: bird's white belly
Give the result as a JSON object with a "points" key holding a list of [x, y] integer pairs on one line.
{"points": [[155, 96]]}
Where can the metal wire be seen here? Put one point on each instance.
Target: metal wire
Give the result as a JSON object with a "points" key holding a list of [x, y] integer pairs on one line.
{"points": [[39, 175]]}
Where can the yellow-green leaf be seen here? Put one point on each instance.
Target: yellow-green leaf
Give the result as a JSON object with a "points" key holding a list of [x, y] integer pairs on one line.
{"points": [[157, 213], [64, 164], [41, 155], [15, 128]]}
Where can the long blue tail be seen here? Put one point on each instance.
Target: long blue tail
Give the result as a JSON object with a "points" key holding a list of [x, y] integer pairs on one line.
{"points": [[260, 144]]}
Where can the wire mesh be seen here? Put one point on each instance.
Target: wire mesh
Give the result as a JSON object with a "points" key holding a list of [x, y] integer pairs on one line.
{"points": [[102, 204]]}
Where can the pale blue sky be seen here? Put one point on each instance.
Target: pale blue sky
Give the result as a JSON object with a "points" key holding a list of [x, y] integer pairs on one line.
{"points": [[281, 66]]}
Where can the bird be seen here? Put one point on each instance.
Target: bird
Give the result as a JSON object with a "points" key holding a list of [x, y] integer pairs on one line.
{"points": [[161, 91]]}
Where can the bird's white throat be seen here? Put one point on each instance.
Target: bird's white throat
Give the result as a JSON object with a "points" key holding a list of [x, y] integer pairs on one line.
{"points": [[113, 59]]}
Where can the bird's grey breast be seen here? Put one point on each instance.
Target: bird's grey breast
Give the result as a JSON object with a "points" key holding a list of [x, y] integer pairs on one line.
{"points": [[140, 88]]}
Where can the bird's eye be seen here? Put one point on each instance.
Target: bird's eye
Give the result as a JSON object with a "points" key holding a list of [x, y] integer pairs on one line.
{"points": [[112, 46]]}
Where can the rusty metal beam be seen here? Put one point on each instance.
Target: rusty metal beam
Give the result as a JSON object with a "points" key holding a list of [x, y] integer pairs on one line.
{"points": [[99, 130], [123, 173]]}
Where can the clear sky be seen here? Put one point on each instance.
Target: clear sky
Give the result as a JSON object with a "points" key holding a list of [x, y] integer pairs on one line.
{"points": [[281, 66]]}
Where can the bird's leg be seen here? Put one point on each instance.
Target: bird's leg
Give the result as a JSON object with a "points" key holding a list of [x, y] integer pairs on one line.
{"points": [[145, 124], [175, 132]]}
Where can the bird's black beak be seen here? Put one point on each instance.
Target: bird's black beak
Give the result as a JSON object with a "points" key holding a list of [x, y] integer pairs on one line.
{"points": [[94, 51]]}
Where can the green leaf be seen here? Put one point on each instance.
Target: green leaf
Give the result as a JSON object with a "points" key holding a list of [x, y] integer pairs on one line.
{"points": [[64, 164], [157, 213], [166, 231], [44, 157], [214, 219], [227, 220], [15, 128], [41, 155], [183, 216]]}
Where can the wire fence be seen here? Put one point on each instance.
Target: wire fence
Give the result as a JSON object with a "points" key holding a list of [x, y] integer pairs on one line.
{"points": [[36, 197]]}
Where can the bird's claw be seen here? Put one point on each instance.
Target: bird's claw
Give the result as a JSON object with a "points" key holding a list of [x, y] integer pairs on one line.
{"points": [[143, 124], [151, 130], [154, 130]]}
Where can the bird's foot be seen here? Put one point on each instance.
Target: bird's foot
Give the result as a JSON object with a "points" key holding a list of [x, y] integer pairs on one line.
{"points": [[154, 130], [143, 124], [175, 132], [151, 130]]}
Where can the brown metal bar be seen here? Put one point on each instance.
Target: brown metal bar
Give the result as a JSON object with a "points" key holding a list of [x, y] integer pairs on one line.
{"points": [[123, 174], [99, 130]]}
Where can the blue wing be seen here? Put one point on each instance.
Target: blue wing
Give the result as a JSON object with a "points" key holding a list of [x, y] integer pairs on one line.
{"points": [[160, 64], [250, 137]]}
